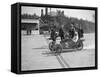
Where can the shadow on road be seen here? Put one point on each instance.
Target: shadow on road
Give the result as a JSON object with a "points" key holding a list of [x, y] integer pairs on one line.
{"points": [[43, 47], [48, 53]]}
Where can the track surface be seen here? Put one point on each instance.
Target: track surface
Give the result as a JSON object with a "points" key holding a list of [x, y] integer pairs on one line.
{"points": [[36, 54]]}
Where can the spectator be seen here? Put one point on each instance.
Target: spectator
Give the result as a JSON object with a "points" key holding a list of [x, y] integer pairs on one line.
{"points": [[53, 34], [61, 33], [80, 32]]}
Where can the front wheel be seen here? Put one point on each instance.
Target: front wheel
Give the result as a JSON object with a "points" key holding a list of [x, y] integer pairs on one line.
{"points": [[52, 46], [58, 49], [80, 45]]}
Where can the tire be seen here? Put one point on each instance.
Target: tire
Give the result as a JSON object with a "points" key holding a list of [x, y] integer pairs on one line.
{"points": [[80, 45], [58, 49], [52, 47]]}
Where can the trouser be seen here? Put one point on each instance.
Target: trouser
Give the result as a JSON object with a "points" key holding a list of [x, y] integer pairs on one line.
{"points": [[62, 37], [53, 39]]}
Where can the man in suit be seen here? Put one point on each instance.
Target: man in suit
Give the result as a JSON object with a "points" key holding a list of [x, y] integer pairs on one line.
{"points": [[80, 32], [72, 31], [61, 33]]}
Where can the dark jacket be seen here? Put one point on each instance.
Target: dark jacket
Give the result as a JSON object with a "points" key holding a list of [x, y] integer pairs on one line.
{"points": [[61, 33], [80, 32], [53, 35]]}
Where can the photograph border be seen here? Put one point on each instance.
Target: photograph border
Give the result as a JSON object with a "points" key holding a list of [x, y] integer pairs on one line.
{"points": [[55, 6]]}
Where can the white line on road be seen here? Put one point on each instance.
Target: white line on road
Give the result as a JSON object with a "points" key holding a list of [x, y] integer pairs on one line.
{"points": [[62, 62]]}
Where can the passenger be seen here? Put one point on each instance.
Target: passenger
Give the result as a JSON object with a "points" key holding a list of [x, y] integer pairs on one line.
{"points": [[76, 36], [72, 31]]}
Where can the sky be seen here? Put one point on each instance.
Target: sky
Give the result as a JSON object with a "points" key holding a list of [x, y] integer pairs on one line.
{"points": [[77, 13]]}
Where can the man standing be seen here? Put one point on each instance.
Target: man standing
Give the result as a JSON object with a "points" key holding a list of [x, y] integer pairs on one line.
{"points": [[72, 31], [53, 34], [61, 33], [80, 32]]}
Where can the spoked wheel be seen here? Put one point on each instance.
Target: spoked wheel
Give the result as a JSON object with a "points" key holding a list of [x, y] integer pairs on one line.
{"points": [[52, 47]]}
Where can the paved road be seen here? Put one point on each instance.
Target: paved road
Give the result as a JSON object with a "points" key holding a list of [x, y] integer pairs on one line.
{"points": [[36, 55]]}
